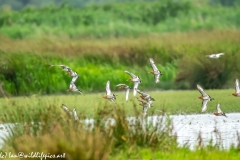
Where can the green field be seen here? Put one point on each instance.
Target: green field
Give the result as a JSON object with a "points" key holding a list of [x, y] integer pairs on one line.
{"points": [[172, 102]]}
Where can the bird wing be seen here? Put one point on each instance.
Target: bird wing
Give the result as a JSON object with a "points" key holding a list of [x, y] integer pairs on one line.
{"points": [[134, 88], [237, 86], [80, 91], [150, 101], [73, 73], [142, 93], [211, 56], [112, 100], [75, 114], [119, 85], [204, 105], [218, 108], [154, 67], [66, 109], [74, 79], [108, 91], [65, 68], [157, 76], [145, 109], [201, 90], [73, 86], [127, 93], [132, 75], [219, 54], [59, 65]]}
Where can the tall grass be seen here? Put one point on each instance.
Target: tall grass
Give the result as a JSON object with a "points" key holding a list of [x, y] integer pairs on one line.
{"points": [[79, 140]]}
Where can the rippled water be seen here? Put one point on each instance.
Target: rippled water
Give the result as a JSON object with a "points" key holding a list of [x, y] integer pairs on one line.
{"points": [[187, 128]]}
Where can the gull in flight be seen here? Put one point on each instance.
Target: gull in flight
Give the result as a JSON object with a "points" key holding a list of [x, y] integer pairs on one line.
{"points": [[218, 55], [219, 111], [126, 87], [155, 71], [136, 80], [111, 97], [237, 90], [205, 98]]}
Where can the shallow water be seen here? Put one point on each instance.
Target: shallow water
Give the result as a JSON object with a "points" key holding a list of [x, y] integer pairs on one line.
{"points": [[187, 128], [218, 128]]}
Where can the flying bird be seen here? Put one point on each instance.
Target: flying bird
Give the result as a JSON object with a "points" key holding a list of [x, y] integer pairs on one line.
{"points": [[73, 88], [218, 55], [145, 96], [75, 114], [205, 98], [65, 108], [155, 71], [64, 67], [72, 73], [126, 87], [136, 80], [145, 105], [74, 78], [111, 97], [219, 111], [237, 90]]}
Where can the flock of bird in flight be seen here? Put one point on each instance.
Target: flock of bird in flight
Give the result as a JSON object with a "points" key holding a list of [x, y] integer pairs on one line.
{"points": [[145, 99]]}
